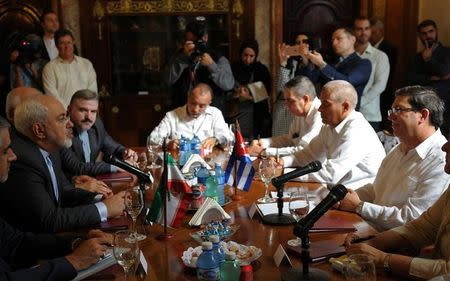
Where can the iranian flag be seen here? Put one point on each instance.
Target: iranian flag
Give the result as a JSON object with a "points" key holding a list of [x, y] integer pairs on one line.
{"points": [[178, 197]]}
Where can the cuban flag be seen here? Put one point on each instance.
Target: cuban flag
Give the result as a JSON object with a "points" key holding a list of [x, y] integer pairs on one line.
{"points": [[244, 167]]}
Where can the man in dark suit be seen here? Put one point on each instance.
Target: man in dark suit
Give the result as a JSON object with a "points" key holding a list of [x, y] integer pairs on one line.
{"points": [[90, 139], [37, 196], [350, 67], [50, 24], [19, 250], [378, 41]]}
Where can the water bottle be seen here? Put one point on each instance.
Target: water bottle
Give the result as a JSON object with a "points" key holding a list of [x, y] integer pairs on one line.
{"points": [[207, 267], [220, 177], [183, 151], [217, 250], [202, 175], [196, 145], [230, 270], [211, 187]]}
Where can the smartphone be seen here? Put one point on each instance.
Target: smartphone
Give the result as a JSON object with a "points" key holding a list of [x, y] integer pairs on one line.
{"points": [[292, 50], [315, 44]]}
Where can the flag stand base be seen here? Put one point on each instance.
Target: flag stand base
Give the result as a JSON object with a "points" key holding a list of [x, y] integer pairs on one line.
{"points": [[236, 197], [164, 237]]}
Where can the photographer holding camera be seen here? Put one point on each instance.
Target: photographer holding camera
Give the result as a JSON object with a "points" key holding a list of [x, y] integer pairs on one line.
{"points": [[26, 70], [196, 63]]}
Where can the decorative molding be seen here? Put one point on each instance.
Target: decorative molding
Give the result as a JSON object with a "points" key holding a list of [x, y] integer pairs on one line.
{"points": [[168, 6]]}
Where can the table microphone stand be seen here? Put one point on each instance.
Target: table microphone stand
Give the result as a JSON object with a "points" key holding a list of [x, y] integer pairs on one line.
{"points": [[304, 273], [279, 218]]}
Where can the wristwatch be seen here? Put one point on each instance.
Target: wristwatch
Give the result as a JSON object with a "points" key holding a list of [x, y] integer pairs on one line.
{"points": [[358, 208], [387, 263]]}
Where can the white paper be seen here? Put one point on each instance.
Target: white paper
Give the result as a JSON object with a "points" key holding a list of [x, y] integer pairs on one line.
{"points": [[143, 262], [258, 91], [208, 211], [194, 160], [272, 208], [279, 255], [252, 210], [103, 263]]}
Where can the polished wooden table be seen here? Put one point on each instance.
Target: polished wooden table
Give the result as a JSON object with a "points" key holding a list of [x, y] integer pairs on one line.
{"points": [[164, 257]]}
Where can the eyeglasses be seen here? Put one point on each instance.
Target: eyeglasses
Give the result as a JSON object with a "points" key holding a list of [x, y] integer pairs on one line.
{"points": [[304, 41], [397, 110]]}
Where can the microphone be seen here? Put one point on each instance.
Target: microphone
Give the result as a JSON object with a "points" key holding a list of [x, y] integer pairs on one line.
{"points": [[113, 160], [310, 168], [336, 194]]}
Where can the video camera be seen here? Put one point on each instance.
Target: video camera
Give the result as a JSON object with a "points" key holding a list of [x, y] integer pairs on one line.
{"points": [[28, 47], [199, 29]]}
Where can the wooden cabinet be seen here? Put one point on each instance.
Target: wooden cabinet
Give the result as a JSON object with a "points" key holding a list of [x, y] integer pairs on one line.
{"points": [[130, 41]]}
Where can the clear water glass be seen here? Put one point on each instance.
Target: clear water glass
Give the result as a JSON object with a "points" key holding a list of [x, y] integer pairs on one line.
{"points": [[266, 173], [134, 203], [125, 250], [299, 208], [360, 267]]}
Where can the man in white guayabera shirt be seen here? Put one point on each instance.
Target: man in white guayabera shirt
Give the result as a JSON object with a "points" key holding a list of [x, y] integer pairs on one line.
{"points": [[301, 100], [347, 145], [195, 118], [410, 179]]}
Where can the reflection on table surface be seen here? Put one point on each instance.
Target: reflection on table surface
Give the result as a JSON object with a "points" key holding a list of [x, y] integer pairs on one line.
{"points": [[164, 257]]}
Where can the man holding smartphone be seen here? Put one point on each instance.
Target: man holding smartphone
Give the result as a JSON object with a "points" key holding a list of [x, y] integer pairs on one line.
{"points": [[292, 60], [349, 67]]}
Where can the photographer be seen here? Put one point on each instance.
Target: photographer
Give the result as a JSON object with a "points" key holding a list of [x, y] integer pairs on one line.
{"points": [[26, 70], [196, 63]]}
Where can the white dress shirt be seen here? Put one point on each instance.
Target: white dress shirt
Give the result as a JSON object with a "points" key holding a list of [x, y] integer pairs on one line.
{"points": [[51, 47], [406, 184], [370, 99], [432, 227], [350, 153], [178, 123], [62, 79], [301, 131]]}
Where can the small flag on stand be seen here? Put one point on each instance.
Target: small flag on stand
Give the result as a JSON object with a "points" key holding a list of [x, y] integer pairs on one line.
{"points": [[244, 166], [178, 197]]}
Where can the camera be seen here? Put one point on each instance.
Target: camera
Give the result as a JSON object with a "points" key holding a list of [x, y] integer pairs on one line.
{"points": [[198, 29], [28, 48]]}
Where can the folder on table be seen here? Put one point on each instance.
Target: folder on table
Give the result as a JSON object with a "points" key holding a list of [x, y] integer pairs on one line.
{"points": [[320, 250]]}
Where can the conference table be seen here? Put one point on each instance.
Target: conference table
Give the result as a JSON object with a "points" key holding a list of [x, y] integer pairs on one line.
{"points": [[164, 257]]}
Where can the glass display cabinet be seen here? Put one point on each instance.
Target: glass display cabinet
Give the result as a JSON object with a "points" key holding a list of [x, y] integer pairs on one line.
{"points": [[129, 43]]}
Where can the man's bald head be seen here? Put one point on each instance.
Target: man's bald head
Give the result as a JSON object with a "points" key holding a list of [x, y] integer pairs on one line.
{"points": [[15, 97]]}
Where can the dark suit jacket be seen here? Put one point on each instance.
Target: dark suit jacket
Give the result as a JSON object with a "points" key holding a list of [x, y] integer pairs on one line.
{"points": [[387, 97], [420, 72], [100, 141], [27, 199], [19, 251], [352, 69]]}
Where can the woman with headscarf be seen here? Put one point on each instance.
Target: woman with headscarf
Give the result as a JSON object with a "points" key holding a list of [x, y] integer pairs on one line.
{"points": [[254, 118]]}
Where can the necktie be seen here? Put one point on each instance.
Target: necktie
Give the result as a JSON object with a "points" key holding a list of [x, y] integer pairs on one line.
{"points": [[48, 161], [85, 145]]}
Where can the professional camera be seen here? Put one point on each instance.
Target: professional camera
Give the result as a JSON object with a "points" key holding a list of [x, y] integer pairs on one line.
{"points": [[198, 29], [28, 48]]}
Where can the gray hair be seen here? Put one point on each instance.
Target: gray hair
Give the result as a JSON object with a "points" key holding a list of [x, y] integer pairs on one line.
{"points": [[342, 91], [301, 86], [377, 23], [28, 113], [4, 124], [15, 97], [423, 97], [85, 94]]}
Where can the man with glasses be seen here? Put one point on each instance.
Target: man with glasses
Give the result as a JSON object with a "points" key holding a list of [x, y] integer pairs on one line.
{"points": [[37, 197], [290, 66], [300, 99], [410, 179]]}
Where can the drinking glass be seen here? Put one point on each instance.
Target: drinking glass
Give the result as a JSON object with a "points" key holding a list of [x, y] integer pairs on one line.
{"points": [[266, 172], [134, 203], [125, 249], [299, 208], [142, 161], [360, 267], [153, 148]]}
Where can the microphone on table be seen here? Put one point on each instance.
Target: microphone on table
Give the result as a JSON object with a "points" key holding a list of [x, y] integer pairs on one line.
{"points": [[113, 160], [337, 193], [310, 168]]}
